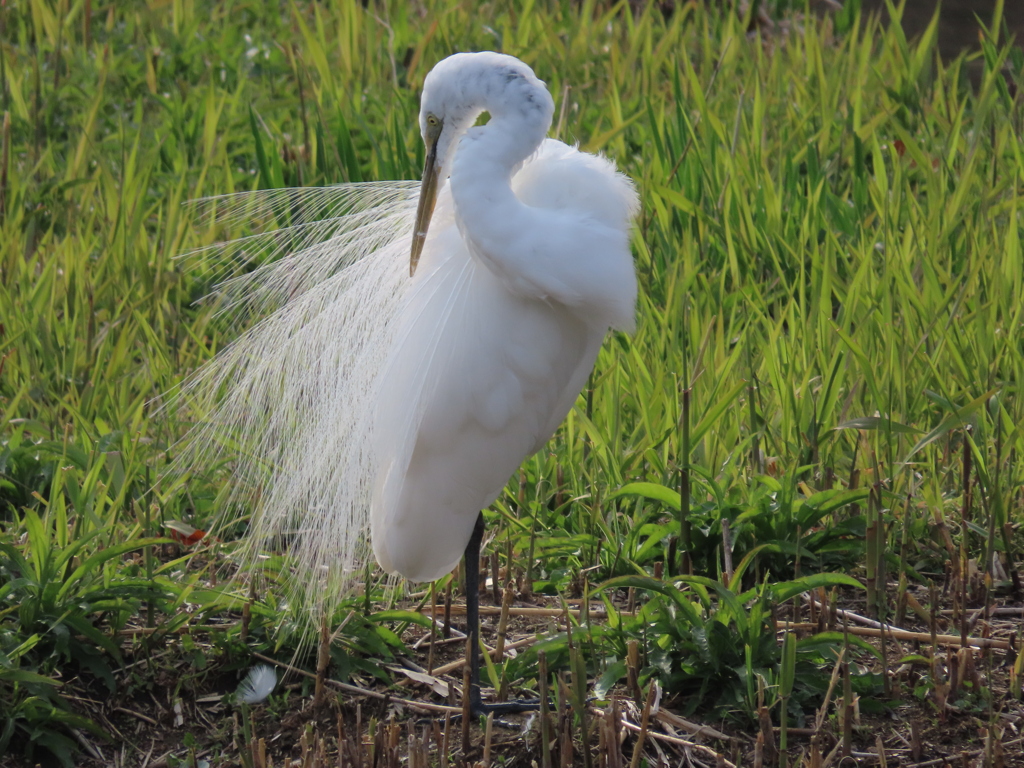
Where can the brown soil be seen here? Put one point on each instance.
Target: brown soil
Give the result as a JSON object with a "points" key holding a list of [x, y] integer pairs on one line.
{"points": [[979, 723], [958, 26]]}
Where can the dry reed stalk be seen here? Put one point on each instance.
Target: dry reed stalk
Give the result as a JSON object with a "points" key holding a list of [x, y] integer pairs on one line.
{"points": [[447, 743], [564, 749], [676, 740], [488, 733], [452, 666], [633, 670], [767, 735], [495, 580], [675, 721], [614, 742], [323, 657], [918, 637], [466, 695], [645, 717], [506, 604], [446, 631], [823, 710], [946, 761], [727, 568], [847, 710], [433, 629], [545, 722]]}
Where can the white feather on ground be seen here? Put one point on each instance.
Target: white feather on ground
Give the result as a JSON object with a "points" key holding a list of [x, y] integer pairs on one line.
{"points": [[258, 684]]}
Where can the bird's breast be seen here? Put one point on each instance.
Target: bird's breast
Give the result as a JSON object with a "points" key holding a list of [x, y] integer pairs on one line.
{"points": [[479, 378]]}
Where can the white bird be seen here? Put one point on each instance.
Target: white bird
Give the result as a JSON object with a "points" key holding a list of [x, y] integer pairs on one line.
{"points": [[406, 398]]}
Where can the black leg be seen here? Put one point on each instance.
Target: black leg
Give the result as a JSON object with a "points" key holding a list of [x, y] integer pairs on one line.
{"points": [[473, 610], [473, 630]]}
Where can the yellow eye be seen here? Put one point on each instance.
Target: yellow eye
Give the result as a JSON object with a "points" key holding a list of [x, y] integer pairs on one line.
{"points": [[432, 121]]}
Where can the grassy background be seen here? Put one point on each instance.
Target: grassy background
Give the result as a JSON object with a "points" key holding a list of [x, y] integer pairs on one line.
{"points": [[829, 347]]}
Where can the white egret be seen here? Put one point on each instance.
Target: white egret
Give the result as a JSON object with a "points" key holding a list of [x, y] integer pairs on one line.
{"points": [[372, 401]]}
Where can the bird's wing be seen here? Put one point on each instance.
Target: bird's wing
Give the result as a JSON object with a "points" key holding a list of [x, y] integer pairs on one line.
{"points": [[566, 239], [561, 178]]}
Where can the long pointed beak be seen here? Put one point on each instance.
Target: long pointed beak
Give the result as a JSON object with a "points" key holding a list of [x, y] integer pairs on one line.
{"points": [[425, 209]]}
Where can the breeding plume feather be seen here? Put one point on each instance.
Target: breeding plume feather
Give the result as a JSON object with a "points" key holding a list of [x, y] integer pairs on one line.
{"points": [[415, 347], [290, 400]]}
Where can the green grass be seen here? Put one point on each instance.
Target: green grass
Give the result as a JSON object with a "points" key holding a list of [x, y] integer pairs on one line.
{"points": [[831, 272]]}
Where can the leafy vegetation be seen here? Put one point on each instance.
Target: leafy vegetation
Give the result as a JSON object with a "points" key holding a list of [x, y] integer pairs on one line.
{"points": [[724, 653], [825, 377]]}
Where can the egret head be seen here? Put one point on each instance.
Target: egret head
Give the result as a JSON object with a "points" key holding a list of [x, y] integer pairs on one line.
{"points": [[455, 92]]}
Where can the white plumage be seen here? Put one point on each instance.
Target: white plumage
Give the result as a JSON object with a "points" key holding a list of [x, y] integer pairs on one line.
{"points": [[367, 396], [257, 685], [489, 358]]}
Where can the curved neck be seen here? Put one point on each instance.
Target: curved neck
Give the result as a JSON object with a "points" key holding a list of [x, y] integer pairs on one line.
{"points": [[499, 146], [481, 178], [487, 211]]}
